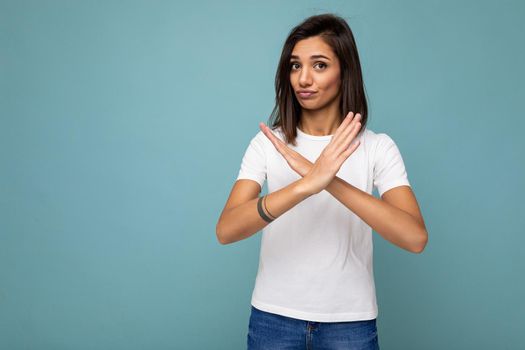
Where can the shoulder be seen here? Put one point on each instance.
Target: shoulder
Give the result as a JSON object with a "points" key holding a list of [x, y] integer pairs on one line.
{"points": [[370, 139], [375, 137], [264, 141], [259, 138], [377, 140], [260, 142], [377, 145]]}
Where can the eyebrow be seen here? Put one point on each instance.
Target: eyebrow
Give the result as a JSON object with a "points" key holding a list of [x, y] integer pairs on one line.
{"points": [[311, 57]]}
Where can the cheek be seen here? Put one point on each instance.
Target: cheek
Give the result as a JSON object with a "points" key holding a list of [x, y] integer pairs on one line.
{"points": [[331, 83]]}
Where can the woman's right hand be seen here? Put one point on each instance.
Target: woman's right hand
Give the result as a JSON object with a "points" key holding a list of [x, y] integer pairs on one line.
{"points": [[333, 156]]}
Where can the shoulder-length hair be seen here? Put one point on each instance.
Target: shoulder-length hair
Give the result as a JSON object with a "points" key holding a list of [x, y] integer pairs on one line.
{"points": [[337, 34]]}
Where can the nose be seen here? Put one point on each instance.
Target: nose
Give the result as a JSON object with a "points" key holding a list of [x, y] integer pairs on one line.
{"points": [[305, 78]]}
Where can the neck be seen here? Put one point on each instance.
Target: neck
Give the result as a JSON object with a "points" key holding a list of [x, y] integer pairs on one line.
{"points": [[320, 122]]}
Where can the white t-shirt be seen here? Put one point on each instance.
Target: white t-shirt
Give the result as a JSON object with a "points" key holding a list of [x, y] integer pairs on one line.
{"points": [[316, 259]]}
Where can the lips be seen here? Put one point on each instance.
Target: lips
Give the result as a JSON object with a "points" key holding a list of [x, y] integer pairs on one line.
{"points": [[306, 94]]}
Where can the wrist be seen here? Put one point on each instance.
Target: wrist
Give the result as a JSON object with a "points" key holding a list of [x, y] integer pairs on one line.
{"points": [[302, 188]]}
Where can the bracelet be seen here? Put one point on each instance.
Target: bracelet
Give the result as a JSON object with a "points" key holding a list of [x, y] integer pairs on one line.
{"points": [[261, 211], [266, 208]]}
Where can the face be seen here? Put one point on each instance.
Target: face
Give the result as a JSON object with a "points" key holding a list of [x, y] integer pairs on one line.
{"points": [[315, 67]]}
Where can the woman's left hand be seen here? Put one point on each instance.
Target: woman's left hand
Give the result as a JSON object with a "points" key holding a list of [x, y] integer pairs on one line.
{"points": [[297, 162]]}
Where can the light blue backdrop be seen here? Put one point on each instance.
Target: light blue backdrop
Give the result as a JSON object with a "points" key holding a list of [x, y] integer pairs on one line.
{"points": [[122, 129]]}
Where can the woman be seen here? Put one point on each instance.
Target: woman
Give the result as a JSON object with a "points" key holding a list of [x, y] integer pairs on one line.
{"points": [[315, 285]]}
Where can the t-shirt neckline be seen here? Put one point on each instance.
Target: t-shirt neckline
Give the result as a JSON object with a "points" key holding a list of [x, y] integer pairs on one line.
{"points": [[313, 137]]}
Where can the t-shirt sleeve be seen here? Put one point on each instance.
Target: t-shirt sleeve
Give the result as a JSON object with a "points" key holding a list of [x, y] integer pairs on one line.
{"points": [[389, 168], [253, 165]]}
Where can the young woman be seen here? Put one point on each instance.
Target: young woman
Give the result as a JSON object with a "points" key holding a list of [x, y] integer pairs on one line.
{"points": [[315, 285]]}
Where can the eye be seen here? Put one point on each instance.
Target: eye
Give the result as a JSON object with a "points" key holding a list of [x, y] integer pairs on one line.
{"points": [[322, 64]]}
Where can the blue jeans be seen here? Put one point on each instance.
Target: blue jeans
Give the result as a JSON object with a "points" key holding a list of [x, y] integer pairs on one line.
{"points": [[271, 331]]}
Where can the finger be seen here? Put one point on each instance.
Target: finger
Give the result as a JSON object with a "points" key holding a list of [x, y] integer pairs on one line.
{"points": [[346, 142], [347, 120], [343, 156], [289, 154], [342, 140], [277, 143], [268, 133]]}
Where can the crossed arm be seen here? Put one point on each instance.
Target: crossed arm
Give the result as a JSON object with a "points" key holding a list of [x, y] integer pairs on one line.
{"points": [[396, 216]]}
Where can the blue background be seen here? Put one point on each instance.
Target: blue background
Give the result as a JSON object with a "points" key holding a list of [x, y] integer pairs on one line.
{"points": [[123, 125]]}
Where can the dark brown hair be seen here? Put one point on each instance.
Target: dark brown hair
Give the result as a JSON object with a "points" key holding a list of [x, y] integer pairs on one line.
{"points": [[337, 34]]}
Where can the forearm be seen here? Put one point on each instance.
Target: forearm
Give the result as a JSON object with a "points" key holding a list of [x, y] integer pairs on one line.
{"points": [[243, 221], [392, 223]]}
